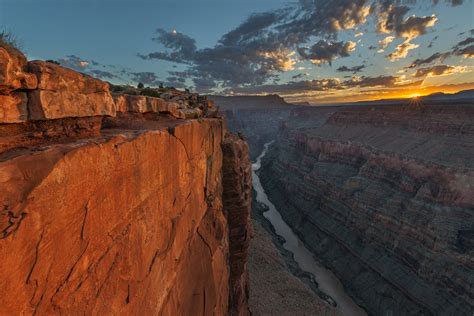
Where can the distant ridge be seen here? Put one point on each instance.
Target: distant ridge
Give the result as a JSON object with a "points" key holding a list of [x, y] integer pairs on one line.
{"points": [[250, 102], [465, 94]]}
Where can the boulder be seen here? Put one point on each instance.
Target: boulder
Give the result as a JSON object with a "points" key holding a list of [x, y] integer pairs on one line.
{"points": [[12, 74], [63, 92], [142, 104]]}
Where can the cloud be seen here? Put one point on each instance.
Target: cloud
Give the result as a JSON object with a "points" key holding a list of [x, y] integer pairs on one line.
{"points": [[384, 43], [354, 69], [438, 70], [430, 45], [464, 42], [269, 43], [265, 44], [457, 50], [435, 57], [74, 62], [380, 81], [145, 77], [391, 20], [182, 47], [401, 51], [299, 76], [253, 27], [452, 2], [101, 74], [325, 52], [327, 85], [466, 52]]}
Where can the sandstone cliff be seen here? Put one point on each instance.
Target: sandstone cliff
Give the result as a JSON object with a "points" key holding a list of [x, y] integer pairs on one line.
{"points": [[384, 197], [116, 204]]}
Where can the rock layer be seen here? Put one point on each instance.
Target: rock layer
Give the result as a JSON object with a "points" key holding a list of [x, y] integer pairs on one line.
{"points": [[381, 198]]}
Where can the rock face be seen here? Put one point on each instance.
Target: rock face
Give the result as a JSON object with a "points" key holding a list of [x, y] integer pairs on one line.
{"points": [[114, 210], [384, 197], [237, 176], [63, 93]]}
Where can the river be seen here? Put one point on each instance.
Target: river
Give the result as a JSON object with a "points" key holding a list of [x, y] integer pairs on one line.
{"points": [[327, 281]]}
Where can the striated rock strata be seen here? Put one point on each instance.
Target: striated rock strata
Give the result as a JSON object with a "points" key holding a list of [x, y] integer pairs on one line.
{"points": [[114, 209], [384, 196]]}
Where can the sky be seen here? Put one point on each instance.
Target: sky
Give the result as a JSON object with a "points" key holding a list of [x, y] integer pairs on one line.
{"points": [[314, 51]]}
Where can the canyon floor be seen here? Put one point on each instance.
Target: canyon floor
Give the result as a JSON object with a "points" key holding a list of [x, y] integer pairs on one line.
{"points": [[273, 289]]}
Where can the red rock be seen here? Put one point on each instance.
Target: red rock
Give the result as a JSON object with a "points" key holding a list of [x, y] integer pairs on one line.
{"points": [[94, 227], [63, 93], [12, 74], [13, 108], [143, 104]]}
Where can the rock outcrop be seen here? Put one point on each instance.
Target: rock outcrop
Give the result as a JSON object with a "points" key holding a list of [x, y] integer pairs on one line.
{"points": [[384, 197], [116, 204]]}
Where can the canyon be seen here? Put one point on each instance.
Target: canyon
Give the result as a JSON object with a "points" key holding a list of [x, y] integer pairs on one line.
{"points": [[114, 203], [117, 202], [382, 195]]}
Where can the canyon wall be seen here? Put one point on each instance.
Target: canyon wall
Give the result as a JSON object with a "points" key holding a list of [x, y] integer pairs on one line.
{"points": [[116, 204], [384, 197], [258, 118]]}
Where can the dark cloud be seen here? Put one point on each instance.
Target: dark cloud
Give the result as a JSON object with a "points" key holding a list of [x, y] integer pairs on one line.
{"points": [[354, 69], [467, 52], [457, 50], [452, 2], [465, 42], [325, 51], [430, 45], [298, 76], [253, 27], [263, 45], [74, 62], [101, 74], [380, 81], [391, 20], [431, 59], [388, 82], [182, 47], [268, 43], [291, 87], [434, 71], [145, 77]]}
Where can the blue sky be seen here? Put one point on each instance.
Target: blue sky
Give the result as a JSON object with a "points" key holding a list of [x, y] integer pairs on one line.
{"points": [[108, 35]]}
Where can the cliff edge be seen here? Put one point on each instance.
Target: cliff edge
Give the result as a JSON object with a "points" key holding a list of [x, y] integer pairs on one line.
{"points": [[116, 204]]}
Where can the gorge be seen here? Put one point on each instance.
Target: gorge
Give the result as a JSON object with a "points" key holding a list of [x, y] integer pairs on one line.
{"points": [[117, 202], [382, 196]]}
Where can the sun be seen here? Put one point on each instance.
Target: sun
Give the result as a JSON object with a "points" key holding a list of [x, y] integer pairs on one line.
{"points": [[415, 96]]}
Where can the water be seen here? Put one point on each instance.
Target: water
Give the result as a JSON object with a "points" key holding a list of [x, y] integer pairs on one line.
{"points": [[327, 281]]}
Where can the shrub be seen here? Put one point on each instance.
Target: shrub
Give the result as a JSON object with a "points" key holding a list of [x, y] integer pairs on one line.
{"points": [[8, 39], [150, 92]]}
